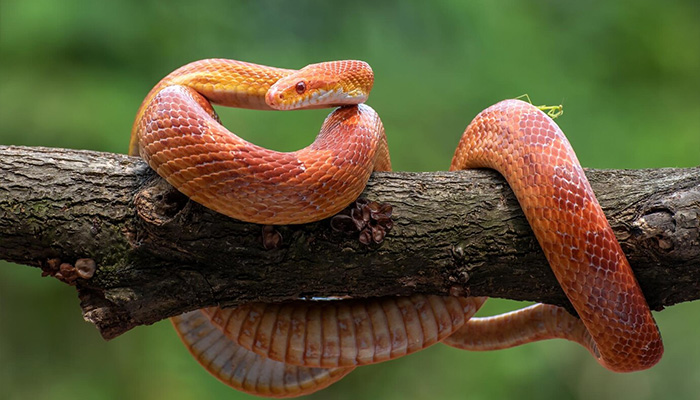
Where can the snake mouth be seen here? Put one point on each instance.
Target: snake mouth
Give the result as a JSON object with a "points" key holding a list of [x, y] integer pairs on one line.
{"points": [[319, 98]]}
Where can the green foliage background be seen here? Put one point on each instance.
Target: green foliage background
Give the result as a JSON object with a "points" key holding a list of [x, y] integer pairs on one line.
{"points": [[72, 74]]}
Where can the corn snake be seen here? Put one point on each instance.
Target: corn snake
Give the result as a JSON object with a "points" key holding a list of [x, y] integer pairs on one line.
{"points": [[284, 350]]}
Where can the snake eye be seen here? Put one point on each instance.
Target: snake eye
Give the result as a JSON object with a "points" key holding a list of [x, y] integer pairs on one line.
{"points": [[300, 87]]}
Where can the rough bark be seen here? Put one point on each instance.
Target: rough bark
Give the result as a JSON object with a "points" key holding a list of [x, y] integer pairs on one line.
{"points": [[158, 254]]}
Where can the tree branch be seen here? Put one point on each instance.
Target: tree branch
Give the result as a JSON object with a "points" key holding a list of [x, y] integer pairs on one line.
{"points": [[159, 255]]}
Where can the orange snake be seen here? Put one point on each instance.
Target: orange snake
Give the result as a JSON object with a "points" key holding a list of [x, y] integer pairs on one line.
{"points": [[291, 349]]}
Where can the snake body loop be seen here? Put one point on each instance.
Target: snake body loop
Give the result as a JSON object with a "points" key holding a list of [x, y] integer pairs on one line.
{"points": [[284, 350]]}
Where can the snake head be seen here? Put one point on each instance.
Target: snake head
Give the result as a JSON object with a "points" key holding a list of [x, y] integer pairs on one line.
{"points": [[327, 84]]}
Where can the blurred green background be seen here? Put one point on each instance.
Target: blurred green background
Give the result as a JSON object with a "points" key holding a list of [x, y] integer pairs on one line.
{"points": [[72, 74]]}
